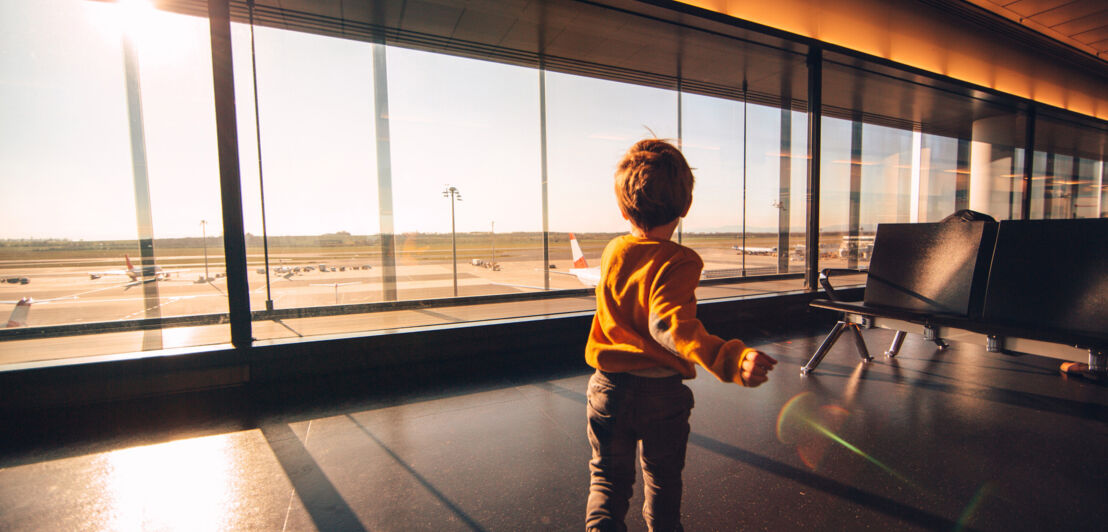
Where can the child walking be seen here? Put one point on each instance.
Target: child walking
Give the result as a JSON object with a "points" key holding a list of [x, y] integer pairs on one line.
{"points": [[645, 339]]}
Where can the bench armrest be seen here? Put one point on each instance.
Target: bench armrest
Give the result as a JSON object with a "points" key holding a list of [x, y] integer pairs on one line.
{"points": [[825, 279]]}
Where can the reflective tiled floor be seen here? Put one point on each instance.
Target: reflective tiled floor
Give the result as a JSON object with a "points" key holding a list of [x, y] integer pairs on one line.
{"points": [[953, 440]]}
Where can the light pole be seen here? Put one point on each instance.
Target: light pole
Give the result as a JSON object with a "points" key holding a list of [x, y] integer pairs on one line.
{"points": [[453, 194], [204, 239], [492, 239]]}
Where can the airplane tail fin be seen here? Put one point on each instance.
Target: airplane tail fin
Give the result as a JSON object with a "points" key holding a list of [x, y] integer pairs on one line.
{"points": [[578, 256], [19, 315], [130, 267]]}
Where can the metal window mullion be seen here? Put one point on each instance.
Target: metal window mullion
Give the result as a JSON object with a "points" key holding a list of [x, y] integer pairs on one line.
{"points": [[234, 240], [815, 110]]}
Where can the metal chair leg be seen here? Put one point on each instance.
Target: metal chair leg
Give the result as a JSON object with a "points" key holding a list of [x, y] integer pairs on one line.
{"points": [[860, 343], [824, 347], [898, 340], [1098, 362], [929, 333]]}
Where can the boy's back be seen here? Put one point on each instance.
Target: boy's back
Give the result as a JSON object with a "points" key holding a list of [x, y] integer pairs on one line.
{"points": [[645, 322]]}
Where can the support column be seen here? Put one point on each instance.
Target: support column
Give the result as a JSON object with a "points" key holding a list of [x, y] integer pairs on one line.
{"points": [[1074, 186], [916, 182], [1028, 163], [384, 172], [1102, 198], [784, 187], [855, 220], [230, 183], [983, 180], [961, 176], [545, 197], [1048, 187]]}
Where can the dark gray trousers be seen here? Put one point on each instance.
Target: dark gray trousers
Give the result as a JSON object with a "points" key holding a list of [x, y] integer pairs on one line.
{"points": [[626, 414]]}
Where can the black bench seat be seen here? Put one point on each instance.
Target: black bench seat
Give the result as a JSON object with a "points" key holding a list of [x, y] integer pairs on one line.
{"points": [[1038, 286]]}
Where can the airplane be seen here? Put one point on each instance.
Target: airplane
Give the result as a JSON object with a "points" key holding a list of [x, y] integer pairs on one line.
{"points": [[748, 250], [588, 276], [19, 315], [135, 275]]}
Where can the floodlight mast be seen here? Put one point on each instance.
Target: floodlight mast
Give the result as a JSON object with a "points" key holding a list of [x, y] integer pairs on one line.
{"points": [[204, 238], [455, 195]]}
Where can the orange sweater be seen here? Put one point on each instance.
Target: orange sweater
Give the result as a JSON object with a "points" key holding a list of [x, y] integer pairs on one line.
{"points": [[646, 313]]}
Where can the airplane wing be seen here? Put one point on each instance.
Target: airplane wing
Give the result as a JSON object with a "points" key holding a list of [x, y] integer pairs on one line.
{"points": [[539, 288]]}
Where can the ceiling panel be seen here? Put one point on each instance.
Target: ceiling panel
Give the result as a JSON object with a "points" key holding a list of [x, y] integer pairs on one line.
{"points": [[1080, 24], [1093, 36], [1029, 8], [1096, 20]]}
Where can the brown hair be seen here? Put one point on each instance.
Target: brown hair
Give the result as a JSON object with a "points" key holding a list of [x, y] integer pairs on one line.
{"points": [[653, 184]]}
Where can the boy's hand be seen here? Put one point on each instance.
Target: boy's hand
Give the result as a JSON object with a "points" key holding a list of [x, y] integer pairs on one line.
{"points": [[755, 367]]}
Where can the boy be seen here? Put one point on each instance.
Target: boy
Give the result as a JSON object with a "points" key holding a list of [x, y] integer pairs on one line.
{"points": [[644, 340]]}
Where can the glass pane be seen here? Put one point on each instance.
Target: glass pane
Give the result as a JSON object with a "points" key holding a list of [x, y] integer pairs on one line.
{"points": [[590, 125], [743, 211], [317, 172], [466, 176], [110, 135]]}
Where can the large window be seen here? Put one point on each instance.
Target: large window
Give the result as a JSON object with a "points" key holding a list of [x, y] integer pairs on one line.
{"points": [[110, 212], [391, 175]]}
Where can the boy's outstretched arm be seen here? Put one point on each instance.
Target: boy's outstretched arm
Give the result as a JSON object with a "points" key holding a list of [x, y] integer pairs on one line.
{"points": [[673, 324]]}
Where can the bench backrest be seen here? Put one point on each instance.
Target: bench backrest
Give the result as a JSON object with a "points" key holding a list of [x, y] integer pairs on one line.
{"points": [[937, 268], [1051, 274]]}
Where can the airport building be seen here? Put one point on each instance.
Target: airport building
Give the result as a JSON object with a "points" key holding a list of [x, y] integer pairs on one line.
{"points": [[331, 265]]}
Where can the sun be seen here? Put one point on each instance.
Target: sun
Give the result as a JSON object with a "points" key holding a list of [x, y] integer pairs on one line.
{"points": [[159, 37]]}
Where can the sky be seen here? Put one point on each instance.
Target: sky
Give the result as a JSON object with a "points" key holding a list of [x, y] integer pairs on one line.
{"points": [[65, 155]]}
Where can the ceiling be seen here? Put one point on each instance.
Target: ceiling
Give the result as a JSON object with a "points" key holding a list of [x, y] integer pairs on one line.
{"points": [[1081, 24]]}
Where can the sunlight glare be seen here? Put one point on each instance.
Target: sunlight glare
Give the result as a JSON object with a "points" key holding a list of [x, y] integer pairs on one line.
{"points": [[160, 37], [182, 485]]}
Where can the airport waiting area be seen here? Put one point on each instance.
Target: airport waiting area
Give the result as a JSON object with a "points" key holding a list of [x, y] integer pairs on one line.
{"points": [[334, 265]]}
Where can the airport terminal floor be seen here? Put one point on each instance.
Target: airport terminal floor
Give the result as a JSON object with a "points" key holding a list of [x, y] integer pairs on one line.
{"points": [[959, 439]]}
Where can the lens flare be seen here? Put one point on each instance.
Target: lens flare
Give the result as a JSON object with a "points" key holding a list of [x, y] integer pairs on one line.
{"points": [[811, 427], [974, 504]]}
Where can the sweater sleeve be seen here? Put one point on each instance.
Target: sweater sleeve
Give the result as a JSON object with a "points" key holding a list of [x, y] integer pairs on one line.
{"points": [[673, 324]]}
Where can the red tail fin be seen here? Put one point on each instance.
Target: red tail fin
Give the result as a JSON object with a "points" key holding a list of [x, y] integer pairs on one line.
{"points": [[19, 315], [578, 256]]}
